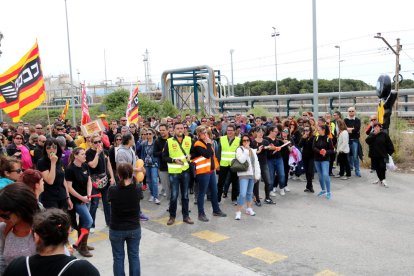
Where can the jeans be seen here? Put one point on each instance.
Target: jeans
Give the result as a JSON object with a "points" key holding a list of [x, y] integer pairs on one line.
{"points": [[132, 239], [152, 180], [207, 181], [246, 190], [276, 165], [344, 164], [179, 182], [322, 167], [165, 182], [85, 218], [353, 155], [264, 170], [308, 165], [95, 203], [227, 176]]}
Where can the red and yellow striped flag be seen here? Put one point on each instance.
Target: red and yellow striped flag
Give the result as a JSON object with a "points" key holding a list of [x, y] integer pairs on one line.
{"points": [[132, 110], [64, 111], [21, 87]]}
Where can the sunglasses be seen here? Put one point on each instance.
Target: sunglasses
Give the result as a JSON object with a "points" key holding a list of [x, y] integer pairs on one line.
{"points": [[123, 120], [60, 129], [5, 216], [351, 110], [17, 171], [51, 147], [43, 141], [118, 139], [245, 140], [306, 130], [373, 120], [149, 133], [39, 128], [18, 138], [97, 142]]}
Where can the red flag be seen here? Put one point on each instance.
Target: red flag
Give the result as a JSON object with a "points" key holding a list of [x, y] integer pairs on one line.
{"points": [[85, 110]]}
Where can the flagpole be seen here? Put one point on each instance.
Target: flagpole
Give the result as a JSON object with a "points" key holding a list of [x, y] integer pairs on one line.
{"points": [[70, 69]]}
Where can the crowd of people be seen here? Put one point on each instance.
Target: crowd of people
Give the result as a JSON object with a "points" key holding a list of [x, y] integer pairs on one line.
{"points": [[54, 177]]}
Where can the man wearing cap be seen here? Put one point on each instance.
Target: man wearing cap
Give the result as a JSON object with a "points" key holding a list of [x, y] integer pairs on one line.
{"points": [[104, 122]]}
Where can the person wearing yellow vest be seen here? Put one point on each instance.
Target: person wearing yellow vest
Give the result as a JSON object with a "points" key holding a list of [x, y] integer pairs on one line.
{"points": [[228, 145], [206, 164], [177, 155]]}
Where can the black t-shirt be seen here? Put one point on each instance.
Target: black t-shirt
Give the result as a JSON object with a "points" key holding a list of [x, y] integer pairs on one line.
{"points": [[100, 168], [262, 156], [56, 191], [125, 207], [79, 178], [276, 143], [51, 266]]}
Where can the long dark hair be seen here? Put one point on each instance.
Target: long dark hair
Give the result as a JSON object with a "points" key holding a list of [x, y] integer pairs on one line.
{"points": [[52, 226], [6, 164], [73, 153], [49, 142], [124, 172], [19, 199]]}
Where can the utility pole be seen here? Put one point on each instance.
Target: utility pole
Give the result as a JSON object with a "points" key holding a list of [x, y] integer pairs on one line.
{"points": [[232, 80], [275, 35], [106, 77], [147, 70]]}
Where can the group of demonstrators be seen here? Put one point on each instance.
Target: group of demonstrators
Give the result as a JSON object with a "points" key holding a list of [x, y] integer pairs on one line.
{"points": [[52, 179]]}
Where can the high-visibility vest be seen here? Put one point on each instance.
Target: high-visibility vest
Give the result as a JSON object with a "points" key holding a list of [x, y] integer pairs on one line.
{"points": [[381, 112], [175, 152], [228, 152], [202, 164]]}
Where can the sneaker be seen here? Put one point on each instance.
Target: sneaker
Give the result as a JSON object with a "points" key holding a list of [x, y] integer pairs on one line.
{"points": [[272, 193], [151, 199], [282, 192], [269, 201], [157, 201], [258, 203], [238, 216], [328, 195], [202, 218], [234, 203], [344, 178], [286, 189], [337, 176], [384, 183], [164, 194], [249, 211], [376, 181], [143, 217], [92, 230], [321, 193]]}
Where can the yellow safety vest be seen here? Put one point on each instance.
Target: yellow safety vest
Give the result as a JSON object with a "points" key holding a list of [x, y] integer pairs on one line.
{"points": [[380, 112], [175, 152], [228, 152]]}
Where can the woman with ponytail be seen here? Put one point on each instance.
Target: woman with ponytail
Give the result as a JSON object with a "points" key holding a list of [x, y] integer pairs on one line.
{"points": [[124, 227], [80, 188], [51, 232]]}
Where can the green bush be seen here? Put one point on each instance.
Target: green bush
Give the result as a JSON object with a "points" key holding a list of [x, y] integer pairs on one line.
{"points": [[259, 111]]}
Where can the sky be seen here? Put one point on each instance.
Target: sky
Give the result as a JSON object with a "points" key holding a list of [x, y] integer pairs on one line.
{"points": [[184, 33]]}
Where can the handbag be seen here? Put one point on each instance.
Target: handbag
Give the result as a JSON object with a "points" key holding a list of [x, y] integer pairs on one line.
{"points": [[100, 180], [237, 166]]}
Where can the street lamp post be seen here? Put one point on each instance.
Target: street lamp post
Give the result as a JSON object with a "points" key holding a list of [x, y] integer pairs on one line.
{"points": [[275, 35], [232, 81], [70, 69], [339, 79]]}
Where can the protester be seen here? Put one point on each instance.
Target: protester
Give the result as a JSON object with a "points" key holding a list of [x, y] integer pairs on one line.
{"points": [[80, 189], [247, 178], [353, 126], [206, 163], [322, 148], [34, 180], [51, 232], [306, 144], [275, 160], [56, 193], [20, 151], [381, 147], [18, 205], [151, 163], [159, 145], [343, 151], [124, 223], [10, 170]]}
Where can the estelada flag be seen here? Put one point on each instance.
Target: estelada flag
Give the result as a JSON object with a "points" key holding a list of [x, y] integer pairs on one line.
{"points": [[64, 111], [85, 109], [132, 111], [21, 87]]}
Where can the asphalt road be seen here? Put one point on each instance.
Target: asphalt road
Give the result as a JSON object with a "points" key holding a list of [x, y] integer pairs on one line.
{"points": [[364, 229]]}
